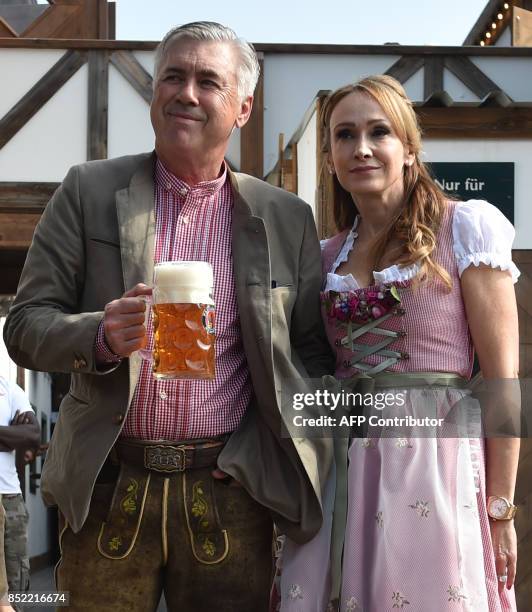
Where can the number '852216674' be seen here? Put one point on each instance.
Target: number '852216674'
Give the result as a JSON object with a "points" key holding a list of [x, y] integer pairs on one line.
{"points": [[38, 598]]}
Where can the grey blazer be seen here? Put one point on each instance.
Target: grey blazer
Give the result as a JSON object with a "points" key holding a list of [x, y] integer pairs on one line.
{"points": [[96, 238]]}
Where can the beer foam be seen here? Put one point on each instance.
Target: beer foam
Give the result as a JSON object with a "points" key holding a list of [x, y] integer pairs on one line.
{"points": [[182, 295], [183, 282]]}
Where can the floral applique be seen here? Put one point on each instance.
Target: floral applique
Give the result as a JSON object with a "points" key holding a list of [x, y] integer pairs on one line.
{"points": [[367, 443], [421, 507], [129, 503], [379, 519], [199, 505], [115, 543], [362, 305], [295, 592], [208, 547], [403, 443], [455, 594], [352, 604], [399, 600]]}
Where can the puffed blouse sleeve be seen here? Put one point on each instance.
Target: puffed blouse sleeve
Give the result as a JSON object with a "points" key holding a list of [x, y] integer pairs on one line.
{"points": [[482, 234]]}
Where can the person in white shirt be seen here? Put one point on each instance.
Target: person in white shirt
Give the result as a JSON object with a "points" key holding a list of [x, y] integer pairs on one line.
{"points": [[18, 430]]}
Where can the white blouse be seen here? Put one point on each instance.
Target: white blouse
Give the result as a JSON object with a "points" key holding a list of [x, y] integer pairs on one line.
{"points": [[481, 234]]}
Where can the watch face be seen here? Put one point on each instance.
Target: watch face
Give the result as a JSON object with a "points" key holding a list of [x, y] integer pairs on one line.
{"points": [[498, 508]]}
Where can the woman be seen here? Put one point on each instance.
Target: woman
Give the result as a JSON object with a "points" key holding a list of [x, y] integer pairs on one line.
{"points": [[411, 283]]}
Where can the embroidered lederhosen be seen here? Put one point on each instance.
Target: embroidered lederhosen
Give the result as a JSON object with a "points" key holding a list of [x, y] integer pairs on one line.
{"points": [[208, 540]]}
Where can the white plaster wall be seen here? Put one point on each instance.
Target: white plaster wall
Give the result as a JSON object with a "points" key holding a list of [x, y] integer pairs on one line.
{"points": [[53, 139], [20, 69], [292, 81], [146, 59], [505, 39], [512, 75], [414, 85], [307, 163], [456, 89], [129, 128], [517, 151]]}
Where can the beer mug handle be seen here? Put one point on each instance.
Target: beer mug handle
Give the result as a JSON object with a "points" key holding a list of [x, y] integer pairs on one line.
{"points": [[146, 353]]}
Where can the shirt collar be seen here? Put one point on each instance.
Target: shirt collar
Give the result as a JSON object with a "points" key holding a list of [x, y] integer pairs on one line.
{"points": [[169, 182]]}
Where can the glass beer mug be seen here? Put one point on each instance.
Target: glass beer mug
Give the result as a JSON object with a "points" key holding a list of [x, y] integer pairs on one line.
{"points": [[183, 320]]}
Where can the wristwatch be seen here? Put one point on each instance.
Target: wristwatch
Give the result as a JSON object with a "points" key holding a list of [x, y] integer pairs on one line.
{"points": [[500, 509]]}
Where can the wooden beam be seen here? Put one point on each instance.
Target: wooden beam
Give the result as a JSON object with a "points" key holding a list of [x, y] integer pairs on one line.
{"points": [[10, 276], [523, 293], [112, 20], [76, 43], [272, 49], [471, 76], [98, 105], [324, 181], [252, 134], [19, 197], [482, 23], [433, 76], [6, 29], [103, 19], [405, 67], [55, 22], [134, 73], [16, 230], [522, 27], [39, 94], [475, 122]]}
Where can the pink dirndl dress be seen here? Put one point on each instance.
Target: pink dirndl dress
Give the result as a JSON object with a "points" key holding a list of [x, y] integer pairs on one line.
{"points": [[417, 536]]}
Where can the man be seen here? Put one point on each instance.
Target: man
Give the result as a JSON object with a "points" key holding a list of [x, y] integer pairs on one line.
{"points": [[18, 430], [203, 531]]}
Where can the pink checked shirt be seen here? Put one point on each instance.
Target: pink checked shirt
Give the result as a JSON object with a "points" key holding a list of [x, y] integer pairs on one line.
{"points": [[194, 224]]}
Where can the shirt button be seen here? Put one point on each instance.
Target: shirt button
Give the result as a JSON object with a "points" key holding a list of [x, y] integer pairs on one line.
{"points": [[183, 192], [168, 186], [185, 220], [118, 418], [163, 395]]}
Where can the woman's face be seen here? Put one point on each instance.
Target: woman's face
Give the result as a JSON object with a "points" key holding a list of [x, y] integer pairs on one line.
{"points": [[366, 154]]}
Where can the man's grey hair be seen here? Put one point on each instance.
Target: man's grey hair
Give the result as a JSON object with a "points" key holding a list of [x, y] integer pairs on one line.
{"points": [[248, 68]]}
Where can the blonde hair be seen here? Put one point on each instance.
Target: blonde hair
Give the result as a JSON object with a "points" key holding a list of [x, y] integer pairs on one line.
{"points": [[418, 221]]}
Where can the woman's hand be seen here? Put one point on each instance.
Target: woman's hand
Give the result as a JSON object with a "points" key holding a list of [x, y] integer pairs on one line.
{"points": [[504, 542]]}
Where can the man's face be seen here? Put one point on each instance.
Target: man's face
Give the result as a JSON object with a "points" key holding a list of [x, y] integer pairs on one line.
{"points": [[195, 100]]}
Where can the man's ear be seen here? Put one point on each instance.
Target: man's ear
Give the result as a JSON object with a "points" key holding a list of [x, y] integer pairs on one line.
{"points": [[245, 112]]}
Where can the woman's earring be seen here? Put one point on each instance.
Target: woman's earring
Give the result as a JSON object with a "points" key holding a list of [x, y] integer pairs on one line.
{"points": [[330, 170]]}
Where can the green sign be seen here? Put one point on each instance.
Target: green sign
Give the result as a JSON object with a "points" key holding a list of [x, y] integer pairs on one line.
{"points": [[491, 181]]}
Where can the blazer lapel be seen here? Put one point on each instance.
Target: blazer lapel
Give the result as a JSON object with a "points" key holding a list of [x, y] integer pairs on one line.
{"points": [[252, 272], [136, 225], [251, 260]]}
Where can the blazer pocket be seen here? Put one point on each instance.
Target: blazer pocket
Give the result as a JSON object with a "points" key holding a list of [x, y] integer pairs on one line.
{"points": [[107, 243]]}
